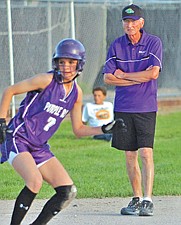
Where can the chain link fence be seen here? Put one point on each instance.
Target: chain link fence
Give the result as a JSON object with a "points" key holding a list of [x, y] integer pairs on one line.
{"points": [[37, 26]]}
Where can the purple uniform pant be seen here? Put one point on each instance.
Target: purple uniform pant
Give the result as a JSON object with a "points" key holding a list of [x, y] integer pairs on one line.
{"points": [[15, 145]]}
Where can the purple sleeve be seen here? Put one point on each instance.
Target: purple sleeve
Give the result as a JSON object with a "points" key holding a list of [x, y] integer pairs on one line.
{"points": [[110, 64], [156, 54]]}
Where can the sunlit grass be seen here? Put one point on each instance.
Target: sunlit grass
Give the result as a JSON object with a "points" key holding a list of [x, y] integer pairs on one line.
{"points": [[99, 171]]}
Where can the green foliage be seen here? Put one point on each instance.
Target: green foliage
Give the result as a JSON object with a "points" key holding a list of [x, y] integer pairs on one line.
{"points": [[99, 171]]}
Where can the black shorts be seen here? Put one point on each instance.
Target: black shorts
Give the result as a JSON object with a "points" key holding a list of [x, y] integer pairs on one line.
{"points": [[140, 131]]}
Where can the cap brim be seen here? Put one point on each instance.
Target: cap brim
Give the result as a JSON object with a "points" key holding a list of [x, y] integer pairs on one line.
{"points": [[131, 17]]}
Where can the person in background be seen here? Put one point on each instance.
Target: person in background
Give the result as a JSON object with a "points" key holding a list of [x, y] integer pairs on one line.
{"points": [[24, 142], [98, 113], [133, 63]]}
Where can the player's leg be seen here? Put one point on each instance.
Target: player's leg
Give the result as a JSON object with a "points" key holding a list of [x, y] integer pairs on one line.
{"points": [[54, 173], [24, 164]]}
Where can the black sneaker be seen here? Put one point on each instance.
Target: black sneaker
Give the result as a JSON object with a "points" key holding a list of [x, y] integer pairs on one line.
{"points": [[133, 207], [146, 208]]}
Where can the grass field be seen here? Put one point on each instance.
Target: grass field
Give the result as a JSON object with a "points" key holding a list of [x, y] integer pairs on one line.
{"points": [[99, 171]]}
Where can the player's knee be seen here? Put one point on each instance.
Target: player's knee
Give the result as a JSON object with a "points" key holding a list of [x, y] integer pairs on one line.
{"points": [[35, 184], [65, 195]]}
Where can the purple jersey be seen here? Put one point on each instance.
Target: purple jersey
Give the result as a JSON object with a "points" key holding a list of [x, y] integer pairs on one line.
{"points": [[41, 113], [124, 55]]}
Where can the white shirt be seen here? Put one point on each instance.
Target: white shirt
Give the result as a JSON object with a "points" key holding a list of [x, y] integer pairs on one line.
{"points": [[97, 115]]}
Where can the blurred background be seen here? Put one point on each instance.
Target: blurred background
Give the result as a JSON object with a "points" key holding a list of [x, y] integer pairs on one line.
{"points": [[30, 30]]}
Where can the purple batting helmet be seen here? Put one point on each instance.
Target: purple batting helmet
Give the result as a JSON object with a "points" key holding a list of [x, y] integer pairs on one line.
{"points": [[72, 49]]}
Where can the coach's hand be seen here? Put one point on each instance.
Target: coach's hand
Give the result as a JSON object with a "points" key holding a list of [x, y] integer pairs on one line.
{"points": [[116, 124], [3, 129]]}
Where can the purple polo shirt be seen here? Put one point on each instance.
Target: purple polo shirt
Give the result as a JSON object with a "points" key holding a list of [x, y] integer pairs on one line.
{"points": [[124, 55]]}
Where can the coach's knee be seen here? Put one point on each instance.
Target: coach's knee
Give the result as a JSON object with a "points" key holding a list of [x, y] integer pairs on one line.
{"points": [[146, 153]]}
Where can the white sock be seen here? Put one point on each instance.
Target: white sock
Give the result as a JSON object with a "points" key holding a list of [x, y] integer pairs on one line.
{"points": [[147, 199]]}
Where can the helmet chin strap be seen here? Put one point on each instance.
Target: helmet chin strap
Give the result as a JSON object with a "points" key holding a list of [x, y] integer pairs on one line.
{"points": [[58, 77]]}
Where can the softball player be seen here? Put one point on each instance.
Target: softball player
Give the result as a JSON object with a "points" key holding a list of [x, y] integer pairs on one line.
{"points": [[50, 97]]}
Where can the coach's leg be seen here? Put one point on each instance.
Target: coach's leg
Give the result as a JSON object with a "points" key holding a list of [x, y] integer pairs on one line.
{"points": [[146, 155], [134, 173]]}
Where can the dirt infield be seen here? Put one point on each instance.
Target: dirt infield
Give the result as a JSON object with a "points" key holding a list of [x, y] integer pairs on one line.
{"points": [[167, 105], [102, 212]]}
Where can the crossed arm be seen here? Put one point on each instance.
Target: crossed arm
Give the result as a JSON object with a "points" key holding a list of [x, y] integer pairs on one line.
{"points": [[120, 78]]}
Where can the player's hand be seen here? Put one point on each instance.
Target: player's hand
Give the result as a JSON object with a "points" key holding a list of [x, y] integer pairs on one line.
{"points": [[116, 124], [3, 129]]}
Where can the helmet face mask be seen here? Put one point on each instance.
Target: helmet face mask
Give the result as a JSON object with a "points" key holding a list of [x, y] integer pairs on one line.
{"points": [[71, 49]]}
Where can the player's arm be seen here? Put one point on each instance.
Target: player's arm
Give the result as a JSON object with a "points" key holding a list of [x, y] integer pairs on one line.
{"points": [[78, 127], [85, 116], [38, 82], [81, 130]]}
